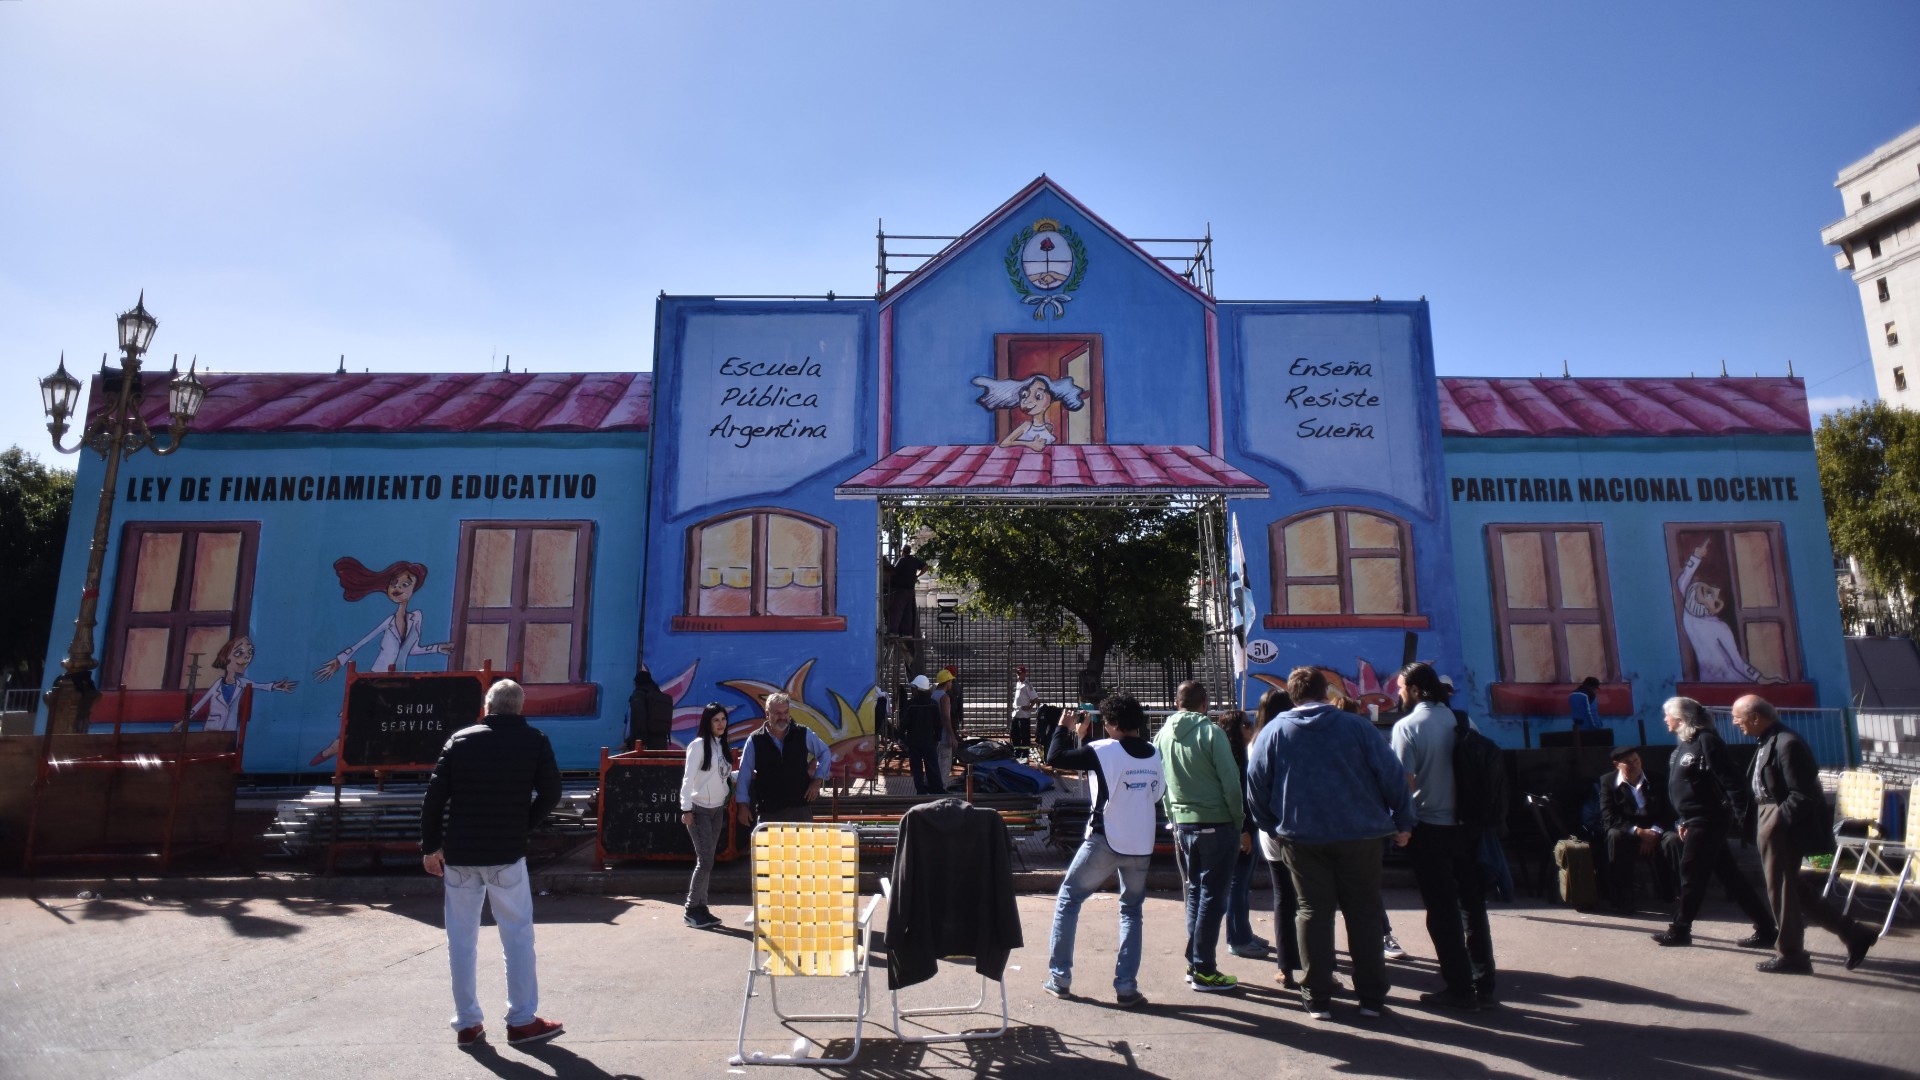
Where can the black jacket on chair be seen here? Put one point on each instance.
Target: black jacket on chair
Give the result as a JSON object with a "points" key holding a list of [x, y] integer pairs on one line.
{"points": [[494, 782], [1618, 810], [1784, 772], [952, 893]]}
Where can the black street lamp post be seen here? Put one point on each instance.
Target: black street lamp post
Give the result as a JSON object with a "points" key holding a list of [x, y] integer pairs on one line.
{"points": [[118, 432]]}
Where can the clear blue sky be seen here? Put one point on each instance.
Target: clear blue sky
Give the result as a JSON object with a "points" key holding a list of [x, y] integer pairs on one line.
{"points": [[1631, 188]]}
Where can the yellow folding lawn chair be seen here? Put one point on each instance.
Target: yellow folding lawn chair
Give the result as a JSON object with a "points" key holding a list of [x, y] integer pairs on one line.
{"points": [[1878, 859], [806, 884], [1857, 807]]}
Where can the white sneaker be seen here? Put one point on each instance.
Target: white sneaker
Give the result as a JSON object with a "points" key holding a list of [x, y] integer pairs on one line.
{"points": [[1391, 946]]}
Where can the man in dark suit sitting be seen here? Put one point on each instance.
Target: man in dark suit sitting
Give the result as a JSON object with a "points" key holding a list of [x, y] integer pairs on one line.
{"points": [[1639, 825]]}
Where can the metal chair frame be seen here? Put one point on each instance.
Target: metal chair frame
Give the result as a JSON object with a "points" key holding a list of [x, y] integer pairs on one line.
{"points": [[760, 959], [1875, 865], [1860, 798], [886, 890]]}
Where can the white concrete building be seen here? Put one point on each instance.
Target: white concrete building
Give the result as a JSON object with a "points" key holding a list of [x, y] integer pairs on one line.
{"points": [[1879, 242]]}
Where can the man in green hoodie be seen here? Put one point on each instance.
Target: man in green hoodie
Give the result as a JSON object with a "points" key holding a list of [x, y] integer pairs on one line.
{"points": [[1206, 806]]}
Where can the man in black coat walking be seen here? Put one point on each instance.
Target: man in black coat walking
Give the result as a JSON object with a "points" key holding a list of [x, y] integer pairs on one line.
{"points": [[494, 782], [1795, 822]]}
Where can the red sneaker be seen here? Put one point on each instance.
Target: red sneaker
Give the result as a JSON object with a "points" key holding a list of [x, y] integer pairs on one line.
{"points": [[468, 1038], [536, 1030]]}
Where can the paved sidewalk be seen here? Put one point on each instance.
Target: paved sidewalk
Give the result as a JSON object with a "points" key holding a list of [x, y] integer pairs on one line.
{"points": [[209, 987]]}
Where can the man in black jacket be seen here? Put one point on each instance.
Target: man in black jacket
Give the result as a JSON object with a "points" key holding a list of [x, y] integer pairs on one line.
{"points": [[1639, 825], [1795, 822], [494, 782]]}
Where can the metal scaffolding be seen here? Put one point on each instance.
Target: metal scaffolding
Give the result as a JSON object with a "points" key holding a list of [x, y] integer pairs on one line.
{"points": [[1189, 257]]}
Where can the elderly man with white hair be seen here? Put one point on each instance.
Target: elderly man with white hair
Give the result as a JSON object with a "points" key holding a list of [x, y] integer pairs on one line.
{"points": [[494, 783]]}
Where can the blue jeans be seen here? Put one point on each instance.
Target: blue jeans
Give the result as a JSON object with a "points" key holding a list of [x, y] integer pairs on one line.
{"points": [[1092, 865], [505, 889], [1206, 855], [1240, 899]]}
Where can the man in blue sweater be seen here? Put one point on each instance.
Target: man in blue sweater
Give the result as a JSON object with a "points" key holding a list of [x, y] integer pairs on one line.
{"points": [[1325, 785]]}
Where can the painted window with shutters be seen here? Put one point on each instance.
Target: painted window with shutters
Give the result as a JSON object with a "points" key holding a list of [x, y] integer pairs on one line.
{"points": [[763, 568], [184, 589], [522, 598], [1733, 602], [1552, 606], [1342, 566]]}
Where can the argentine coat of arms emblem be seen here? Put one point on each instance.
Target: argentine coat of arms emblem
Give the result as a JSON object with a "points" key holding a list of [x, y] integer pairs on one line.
{"points": [[1045, 262]]}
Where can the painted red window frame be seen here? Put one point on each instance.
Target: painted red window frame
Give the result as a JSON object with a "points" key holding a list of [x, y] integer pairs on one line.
{"points": [[1093, 397], [1408, 618], [1781, 612], [574, 697], [759, 620], [1504, 618], [121, 618]]}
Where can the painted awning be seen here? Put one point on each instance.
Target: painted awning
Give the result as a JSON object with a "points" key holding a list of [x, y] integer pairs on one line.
{"points": [[1515, 408], [1055, 471]]}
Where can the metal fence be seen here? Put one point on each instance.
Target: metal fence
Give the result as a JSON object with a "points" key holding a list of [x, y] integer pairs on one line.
{"points": [[26, 701], [1828, 731], [986, 650]]}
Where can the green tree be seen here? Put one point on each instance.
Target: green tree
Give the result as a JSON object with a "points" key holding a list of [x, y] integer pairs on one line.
{"points": [[1870, 477], [34, 504], [1111, 578]]}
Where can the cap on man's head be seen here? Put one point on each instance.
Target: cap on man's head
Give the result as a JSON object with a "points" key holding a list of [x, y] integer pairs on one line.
{"points": [[1620, 752], [945, 676], [920, 683], [1020, 670]]}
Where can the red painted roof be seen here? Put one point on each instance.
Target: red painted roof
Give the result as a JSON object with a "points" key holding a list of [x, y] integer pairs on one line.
{"points": [[393, 404], [1623, 407], [1168, 470]]}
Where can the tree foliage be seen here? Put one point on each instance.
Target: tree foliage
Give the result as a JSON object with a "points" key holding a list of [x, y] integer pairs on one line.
{"points": [[34, 504], [1870, 477], [1112, 578]]}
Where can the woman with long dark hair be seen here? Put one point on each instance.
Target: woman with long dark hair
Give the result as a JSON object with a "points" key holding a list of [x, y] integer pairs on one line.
{"points": [[1241, 940], [706, 791], [1703, 786], [1286, 902]]}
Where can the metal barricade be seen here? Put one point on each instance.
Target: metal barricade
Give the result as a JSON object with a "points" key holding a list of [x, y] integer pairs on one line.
{"points": [[1829, 732]]}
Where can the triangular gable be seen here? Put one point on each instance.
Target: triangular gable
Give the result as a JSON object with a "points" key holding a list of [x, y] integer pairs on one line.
{"points": [[1009, 209]]}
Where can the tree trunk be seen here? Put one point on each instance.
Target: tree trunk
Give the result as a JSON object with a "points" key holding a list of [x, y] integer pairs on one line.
{"points": [[1093, 676]]}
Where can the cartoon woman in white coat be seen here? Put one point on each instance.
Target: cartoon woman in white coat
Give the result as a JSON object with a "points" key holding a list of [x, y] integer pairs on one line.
{"points": [[399, 636], [222, 699]]}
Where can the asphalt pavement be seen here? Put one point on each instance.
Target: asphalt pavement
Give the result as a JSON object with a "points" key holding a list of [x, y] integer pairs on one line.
{"points": [[160, 980]]}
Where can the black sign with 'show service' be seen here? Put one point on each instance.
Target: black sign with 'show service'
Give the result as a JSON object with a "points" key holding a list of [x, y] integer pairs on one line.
{"points": [[396, 720]]}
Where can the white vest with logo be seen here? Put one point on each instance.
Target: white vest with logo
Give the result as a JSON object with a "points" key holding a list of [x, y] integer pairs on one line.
{"points": [[1135, 787]]}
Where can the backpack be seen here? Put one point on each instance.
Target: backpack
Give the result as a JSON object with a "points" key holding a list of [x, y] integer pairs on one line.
{"points": [[1479, 779], [920, 720]]}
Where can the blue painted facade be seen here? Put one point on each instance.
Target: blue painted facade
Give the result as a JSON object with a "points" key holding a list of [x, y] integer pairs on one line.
{"points": [[298, 617], [1760, 488]]}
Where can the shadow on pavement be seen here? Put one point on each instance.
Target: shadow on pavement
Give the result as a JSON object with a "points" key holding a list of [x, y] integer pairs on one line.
{"points": [[562, 908], [564, 1063], [1023, 1052], [1537, 1042]]}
